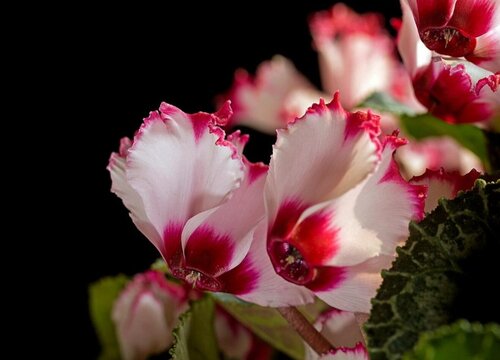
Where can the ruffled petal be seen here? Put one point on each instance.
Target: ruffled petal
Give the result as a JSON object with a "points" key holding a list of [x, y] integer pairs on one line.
{"points": [[339, 328], [443, 184], [130, 198], [233, 221], [258, 103], [457, 91], [359, 352], [239, 140], [298, 101], [434, 153], [180, 165], [355, 54], [320, 156]]}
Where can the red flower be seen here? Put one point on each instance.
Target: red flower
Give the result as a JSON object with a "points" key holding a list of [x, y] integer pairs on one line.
{"points": [[469, 28]]}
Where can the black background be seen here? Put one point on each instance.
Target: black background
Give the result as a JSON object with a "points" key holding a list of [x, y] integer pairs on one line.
{"points": [[118, 65]]}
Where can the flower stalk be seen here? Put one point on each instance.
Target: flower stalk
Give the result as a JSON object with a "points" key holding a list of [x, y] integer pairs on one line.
{"points": [[306, 330]]}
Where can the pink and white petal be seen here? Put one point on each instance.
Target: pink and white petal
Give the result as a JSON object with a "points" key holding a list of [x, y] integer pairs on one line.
{"points": [[487, 51], [181, 165], [359, 352], [258, 102], [356, 65], [266, 287], [239, 140], [433, 153], [443, 184], [340, 328], [135, 343], [298, 101], [414, 53], [402, 91], [457, 91], [340, 20], [233, 221], [373, 218], [350, 288], [320, 240], [130, 198], [321, 155]]}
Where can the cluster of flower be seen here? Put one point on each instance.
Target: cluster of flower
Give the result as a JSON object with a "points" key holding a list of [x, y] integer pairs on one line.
{"points": [[325, 217]]}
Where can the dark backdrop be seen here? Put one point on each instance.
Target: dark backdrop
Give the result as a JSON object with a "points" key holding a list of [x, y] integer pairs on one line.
{"points": [[124, 62]]}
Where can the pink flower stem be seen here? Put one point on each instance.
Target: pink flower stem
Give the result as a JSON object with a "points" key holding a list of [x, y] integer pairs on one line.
{"points": [[305, 329]]}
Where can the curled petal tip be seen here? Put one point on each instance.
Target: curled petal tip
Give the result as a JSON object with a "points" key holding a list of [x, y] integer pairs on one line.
{"points": [[224, 113]]}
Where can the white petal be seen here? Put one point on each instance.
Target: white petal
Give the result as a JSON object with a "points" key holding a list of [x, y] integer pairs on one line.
{"points": [[180, 165], [340, 328], [130, 198], [258, 103], [414, 53], [145, 314], [358, 285], [237, 217], [443, 184], [357, 65], [487, 51], [321, 156], [434, 153], [146, 331], [373, 218]]}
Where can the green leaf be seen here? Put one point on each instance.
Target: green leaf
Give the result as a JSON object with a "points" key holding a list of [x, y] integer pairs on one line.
{"points": [[442, 274], [384, 102], [102, 295], [426, 125], [460, 341], [194, 337], [269, 325]]}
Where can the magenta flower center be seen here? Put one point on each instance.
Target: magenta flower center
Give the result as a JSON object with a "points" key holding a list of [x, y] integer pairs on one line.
{"points": [[448, 41], [289, 263], [197, 279]]}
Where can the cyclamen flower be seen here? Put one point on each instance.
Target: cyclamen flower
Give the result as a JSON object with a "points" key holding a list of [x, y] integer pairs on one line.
{"points": [[458, 91], [258, 101], [468, 28], [342, 331], [337, 205], [435, 153], [442, 184], [455, 90], [145, 314], [200, 202], [356, 57]]}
